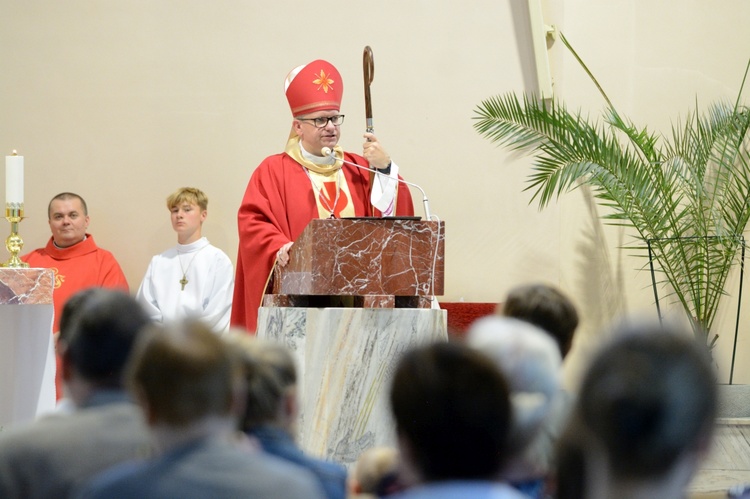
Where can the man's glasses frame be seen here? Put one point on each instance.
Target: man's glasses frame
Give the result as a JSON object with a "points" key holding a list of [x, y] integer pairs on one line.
{"points": [[322, 121]]}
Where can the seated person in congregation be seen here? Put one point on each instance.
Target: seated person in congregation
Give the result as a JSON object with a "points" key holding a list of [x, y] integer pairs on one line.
{"points": [[453, 419], [271, 410], [376, 474], [548, 308], [644, 419], [193, 278], [188, 382], [530, 360], [52, 456], [78, 263]]}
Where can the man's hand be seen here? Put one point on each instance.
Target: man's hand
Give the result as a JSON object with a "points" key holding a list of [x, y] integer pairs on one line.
{"points": [[374, 153], [282, 256]]}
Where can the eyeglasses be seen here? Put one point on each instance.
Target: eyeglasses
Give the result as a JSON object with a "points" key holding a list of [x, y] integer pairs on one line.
{"points": [[322, 121]]}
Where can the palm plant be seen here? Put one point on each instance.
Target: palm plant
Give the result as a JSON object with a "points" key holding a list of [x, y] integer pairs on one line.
{"points": [[687, 198]]}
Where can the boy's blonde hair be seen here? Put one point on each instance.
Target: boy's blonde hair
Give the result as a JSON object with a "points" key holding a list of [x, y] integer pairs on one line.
{"points": [[190, 195]]}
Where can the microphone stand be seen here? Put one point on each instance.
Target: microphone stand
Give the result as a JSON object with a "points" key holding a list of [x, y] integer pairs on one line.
{"points": [[327, 151]]}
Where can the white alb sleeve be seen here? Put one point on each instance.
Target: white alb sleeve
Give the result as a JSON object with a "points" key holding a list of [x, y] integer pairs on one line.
{"points": [[383, 195]]}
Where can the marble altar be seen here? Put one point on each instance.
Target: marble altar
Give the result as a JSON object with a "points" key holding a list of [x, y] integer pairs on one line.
{"points": [[345, 360], [355, 294], [27, 358]]}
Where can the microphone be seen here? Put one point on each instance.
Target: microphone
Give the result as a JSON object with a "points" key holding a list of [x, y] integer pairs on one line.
{"points": [[327, 151]]}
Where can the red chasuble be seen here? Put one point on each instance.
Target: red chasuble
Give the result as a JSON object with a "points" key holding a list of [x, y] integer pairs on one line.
{"points": [[279, 202]]}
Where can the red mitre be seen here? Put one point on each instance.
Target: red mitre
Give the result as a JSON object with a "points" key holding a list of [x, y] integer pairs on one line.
{"points": [[314, 87]]}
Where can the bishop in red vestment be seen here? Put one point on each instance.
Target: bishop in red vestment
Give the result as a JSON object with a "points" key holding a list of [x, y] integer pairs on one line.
{"points": [[288, 190]]}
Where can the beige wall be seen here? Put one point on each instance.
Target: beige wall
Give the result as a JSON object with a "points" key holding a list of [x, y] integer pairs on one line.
{"points": [[124, 101]]}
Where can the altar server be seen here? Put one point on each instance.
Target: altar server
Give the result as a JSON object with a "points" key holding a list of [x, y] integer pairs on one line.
{"points": [[194, 278]]}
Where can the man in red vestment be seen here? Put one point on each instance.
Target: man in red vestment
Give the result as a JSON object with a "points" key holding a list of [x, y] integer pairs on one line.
{"points": [[78, 263], [288, 190]]}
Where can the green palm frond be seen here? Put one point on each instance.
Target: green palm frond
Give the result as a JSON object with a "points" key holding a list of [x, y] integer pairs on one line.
{"points": [[686, 196]]}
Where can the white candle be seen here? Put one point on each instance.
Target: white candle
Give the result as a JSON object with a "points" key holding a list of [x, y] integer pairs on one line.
{"points": [[14, 180]]}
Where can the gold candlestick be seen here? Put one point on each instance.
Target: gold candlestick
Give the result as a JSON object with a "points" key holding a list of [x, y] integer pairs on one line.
{"points": [[14, 243]]}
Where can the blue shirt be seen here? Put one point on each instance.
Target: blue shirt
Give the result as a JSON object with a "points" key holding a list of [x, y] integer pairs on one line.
{"points": [[462, 489], [275, 441]]}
